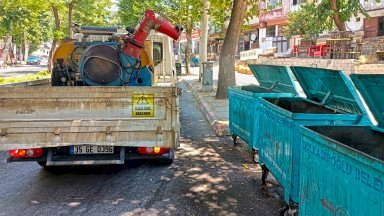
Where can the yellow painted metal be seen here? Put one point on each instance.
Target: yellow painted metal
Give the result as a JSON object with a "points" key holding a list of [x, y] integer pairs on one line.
{"points": [[145, 56], [64, 52]]}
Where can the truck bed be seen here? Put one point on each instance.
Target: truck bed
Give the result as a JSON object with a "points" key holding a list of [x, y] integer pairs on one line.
{"points": [[32, 117]]}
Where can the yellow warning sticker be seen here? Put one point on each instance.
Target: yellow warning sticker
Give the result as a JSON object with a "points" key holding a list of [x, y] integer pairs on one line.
{"points": [[142, 105]]}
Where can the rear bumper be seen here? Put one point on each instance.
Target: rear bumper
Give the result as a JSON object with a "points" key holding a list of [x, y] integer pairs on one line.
{"points": [[52, 158]]}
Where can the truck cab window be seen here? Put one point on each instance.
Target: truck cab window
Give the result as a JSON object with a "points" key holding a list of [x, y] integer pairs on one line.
{"points": [[157, 53]]}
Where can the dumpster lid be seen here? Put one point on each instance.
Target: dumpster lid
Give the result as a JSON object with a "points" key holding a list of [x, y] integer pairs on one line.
{"points": [[329, 87], [371, 87], [276, 78]]}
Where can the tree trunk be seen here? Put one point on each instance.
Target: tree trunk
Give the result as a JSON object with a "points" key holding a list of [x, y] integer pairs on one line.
{"points": [[70, 8], [203, 37], [227, 56], [336, 15], [12, 52], [54, 42], [21, 54], [26, 46], [7, 47], [188, 33]]}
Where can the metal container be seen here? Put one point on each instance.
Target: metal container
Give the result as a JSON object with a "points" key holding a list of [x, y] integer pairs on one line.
{"points": [[331, 100], [42, 117], [343, 172], [178, 69], [207, 83], [274, 81]]}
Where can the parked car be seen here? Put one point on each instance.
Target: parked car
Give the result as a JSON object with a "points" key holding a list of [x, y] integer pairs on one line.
{"points": [[33, 60]]}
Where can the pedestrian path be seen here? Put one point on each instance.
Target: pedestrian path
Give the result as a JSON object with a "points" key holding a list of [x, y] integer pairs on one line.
{"points": [[216, 111]]}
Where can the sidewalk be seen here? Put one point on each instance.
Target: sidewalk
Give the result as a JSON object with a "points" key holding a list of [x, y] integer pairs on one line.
{"points": [[215, 110]]}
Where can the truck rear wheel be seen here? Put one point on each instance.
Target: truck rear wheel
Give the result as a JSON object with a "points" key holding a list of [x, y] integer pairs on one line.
{"points": [[56, 79], [170, 159], [42, 163]]}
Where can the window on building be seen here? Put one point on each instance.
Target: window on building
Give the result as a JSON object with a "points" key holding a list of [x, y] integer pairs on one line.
{"points": [[247, 45], [271, 31], [274, 3], [280, 31], [297, 2], [381, 27]]}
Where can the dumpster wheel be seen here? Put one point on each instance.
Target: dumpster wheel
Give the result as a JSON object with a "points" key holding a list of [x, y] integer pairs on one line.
{"points": [[264, 174], [284, 210], [288, 211], [234, 138], [255, 157]]}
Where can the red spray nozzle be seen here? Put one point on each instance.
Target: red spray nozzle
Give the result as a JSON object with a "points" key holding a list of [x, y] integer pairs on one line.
{"points": [[150, 21]]}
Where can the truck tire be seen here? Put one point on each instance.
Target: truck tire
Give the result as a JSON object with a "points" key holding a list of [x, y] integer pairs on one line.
{"points": [[169, 160], [56, 79], [53, 169], [42, 163]]}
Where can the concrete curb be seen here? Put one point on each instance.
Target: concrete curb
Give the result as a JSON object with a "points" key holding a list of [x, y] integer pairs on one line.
{"points": [[220, 128], [42, 82]]}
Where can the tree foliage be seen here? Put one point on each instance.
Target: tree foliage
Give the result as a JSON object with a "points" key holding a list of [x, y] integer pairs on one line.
{"points": [[32, 20], [186, 13], [24, 20], [313, 17]]}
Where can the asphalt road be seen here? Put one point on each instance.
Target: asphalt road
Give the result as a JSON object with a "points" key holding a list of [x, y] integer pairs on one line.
{"points": [[22, 69], [207, 178]]}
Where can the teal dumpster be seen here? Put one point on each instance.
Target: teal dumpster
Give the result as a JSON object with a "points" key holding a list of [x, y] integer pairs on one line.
{"points": [[274, 81], [342, 169], [331, 100]]}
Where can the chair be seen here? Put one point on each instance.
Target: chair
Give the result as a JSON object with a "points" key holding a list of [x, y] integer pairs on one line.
{"points": [[320, 51], [358, 37], [355, 51], [303, 49]]}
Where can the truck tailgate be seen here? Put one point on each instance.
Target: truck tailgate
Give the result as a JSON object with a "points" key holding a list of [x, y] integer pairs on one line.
{"points": [[32, 117]]}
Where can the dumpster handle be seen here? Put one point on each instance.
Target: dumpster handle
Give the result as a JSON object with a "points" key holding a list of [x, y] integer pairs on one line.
{"points": [[359, 119], [326, 98], [273, 86]]}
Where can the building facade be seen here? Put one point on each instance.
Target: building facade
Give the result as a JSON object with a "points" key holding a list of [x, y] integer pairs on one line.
{"points": [[372, 26], [267, 29]]}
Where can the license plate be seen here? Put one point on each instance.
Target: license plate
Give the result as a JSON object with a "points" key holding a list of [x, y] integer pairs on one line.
{"points": [[89, 149]]}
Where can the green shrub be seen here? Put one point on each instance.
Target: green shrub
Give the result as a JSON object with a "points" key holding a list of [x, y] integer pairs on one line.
{"points": [[44, 74]]}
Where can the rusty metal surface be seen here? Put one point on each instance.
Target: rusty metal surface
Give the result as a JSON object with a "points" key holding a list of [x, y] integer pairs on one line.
{"points": [[61, 116]]}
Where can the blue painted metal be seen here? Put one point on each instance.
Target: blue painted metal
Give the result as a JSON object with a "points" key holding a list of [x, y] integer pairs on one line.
{"points": [[332, 100], [275, 81], [343, 172], [130, 74], [371, 87]]}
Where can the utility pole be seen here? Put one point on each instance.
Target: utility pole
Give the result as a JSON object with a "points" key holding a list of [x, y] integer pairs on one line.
{"points": [[203, 37]]}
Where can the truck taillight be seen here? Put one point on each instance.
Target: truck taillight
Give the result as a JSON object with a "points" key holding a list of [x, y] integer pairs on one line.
{"points": [[152, 150], [26, 153]]}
